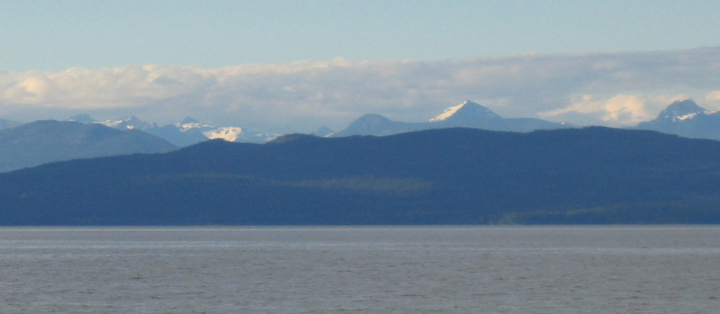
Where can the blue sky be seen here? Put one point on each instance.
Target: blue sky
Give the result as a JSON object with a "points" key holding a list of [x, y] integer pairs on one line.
{"points": [[275, 43], [57, 34]]}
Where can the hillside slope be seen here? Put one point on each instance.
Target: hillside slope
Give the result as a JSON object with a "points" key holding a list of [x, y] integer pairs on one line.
{"points": [[40, 142]]}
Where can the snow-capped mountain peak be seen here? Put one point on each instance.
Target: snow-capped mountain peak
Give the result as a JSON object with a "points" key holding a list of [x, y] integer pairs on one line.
{"points": [[449, 112], [466, 109], [687, 119]]}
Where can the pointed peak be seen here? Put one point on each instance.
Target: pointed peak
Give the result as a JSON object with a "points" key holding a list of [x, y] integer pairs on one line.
{"points": [[467, 109], [679, 109]]}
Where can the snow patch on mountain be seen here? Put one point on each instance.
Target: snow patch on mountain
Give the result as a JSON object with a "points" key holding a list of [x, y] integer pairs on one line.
{"points": [[194, 125], [189, 131], [466, 109], [449, 112], [685, 117]]}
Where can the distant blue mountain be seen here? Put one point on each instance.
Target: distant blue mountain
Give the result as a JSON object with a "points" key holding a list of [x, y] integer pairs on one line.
{"points": [[40, 142], [375, 124], [323, 132], [686, 118], [6, 124], [188, 132], [467, 115]]}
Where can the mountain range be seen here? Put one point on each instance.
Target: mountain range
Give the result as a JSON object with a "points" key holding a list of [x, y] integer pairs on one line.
{"points": [[446, 176], [40, 142], [684, 118], [187, 132], [467, 114]]}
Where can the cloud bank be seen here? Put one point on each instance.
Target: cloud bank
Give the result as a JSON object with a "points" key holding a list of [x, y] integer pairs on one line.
{"points": [[601, 88]]}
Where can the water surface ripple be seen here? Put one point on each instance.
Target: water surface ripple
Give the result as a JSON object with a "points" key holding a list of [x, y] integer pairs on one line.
{"points": [[659, 269]]}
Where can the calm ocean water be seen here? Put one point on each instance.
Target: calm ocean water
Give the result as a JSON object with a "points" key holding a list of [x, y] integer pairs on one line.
{"points": [[604, 269]]}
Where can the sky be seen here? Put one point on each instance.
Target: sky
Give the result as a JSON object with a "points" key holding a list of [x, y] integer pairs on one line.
{"points": [[294, 66]]}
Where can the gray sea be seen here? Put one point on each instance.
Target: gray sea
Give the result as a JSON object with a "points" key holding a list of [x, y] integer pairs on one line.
{"points": [[549, 269]]}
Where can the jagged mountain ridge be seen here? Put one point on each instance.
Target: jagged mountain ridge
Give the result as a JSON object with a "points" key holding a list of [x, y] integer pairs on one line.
{"points": [[40, 142], [467, 114], [188, 132]]}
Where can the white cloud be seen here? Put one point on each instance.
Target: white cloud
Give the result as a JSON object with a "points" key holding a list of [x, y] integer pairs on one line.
{"points": [[712, 96], [618, 110], [712, 100], [619, 88]]}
